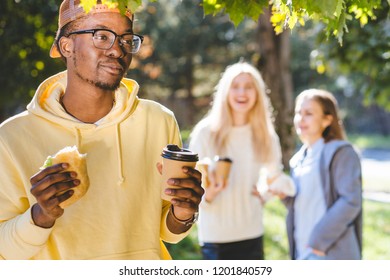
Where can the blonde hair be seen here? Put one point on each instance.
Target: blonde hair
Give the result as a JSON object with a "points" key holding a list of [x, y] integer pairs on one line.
{"points": [[220, 118], [329, 106]]}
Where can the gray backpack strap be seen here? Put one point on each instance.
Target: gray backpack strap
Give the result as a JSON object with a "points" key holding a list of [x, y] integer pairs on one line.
{"points": [[327, 157]]}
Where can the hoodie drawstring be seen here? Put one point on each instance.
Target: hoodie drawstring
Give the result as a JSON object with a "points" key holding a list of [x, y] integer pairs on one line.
{"points": [[119, 152], [78, 137]]}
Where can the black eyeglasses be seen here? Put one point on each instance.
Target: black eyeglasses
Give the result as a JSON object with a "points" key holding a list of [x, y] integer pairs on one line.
{"points": [[104, 39]]}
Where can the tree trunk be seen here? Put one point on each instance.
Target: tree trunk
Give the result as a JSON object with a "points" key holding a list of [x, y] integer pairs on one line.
{"points": [[274, 64]]}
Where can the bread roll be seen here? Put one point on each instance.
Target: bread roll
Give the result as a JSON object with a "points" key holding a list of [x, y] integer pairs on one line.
{"points": [[77, 163]]}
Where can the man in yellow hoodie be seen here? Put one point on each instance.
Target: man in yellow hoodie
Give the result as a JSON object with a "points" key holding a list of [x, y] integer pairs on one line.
{"points": [[92, 106]]}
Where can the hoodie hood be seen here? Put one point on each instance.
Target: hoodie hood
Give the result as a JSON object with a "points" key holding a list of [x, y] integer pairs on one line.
{"points": [[46, 102]]}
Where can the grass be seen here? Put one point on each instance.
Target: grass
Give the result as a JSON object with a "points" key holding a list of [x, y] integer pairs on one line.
{"points": [[376, 230], [370, 141], [275, 236]]}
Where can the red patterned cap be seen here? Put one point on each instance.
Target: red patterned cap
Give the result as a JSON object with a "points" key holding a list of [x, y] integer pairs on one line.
{"points": [[71, 10]]}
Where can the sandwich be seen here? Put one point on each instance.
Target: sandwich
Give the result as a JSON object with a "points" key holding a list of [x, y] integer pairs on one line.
{"points": [[77, 163]]}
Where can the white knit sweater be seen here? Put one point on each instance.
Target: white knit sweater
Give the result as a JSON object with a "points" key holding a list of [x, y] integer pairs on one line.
{"points": [[235, 214]]}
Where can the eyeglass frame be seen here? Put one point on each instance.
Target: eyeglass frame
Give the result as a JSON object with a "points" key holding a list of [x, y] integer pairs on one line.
{"points": [[93, 31]]}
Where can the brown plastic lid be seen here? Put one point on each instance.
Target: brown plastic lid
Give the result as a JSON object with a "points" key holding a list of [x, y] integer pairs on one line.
{"points": [[174, 152]]}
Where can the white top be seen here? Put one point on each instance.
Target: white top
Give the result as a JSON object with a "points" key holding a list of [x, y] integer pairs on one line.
{"points": [[309, 203], [235, 214]]}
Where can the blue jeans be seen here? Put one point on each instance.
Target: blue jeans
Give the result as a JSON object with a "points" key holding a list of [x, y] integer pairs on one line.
{"points": [[251, 249]]}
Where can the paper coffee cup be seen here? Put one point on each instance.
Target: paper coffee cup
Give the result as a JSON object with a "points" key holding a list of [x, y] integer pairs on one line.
{"points": [[173, 160], [222, 168], [203, 167]]}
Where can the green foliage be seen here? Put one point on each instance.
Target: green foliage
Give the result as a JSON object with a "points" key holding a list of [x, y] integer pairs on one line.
{"points": [[365, 60], [286, 14], [27, 30], [370, 141], [364, 57], [182, 43], [335, 14], [325, 72], [236, 9], [121, 4]]}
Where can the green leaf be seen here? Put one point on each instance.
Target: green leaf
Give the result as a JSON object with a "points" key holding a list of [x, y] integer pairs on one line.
{"points": [[329, 7], [132, 5], [87, 5], [236, 9], [239, 9], [212, 7], [121, 4], [292, 21], [339, 8]]}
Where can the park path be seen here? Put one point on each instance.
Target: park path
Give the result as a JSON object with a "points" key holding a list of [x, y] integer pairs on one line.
{"points": [[376, 174]]}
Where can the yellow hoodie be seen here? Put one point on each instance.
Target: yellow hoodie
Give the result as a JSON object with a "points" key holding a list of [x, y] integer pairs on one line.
{"points": [[122, 215]]}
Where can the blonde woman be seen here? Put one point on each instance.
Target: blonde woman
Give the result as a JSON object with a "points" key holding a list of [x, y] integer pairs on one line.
{"points": [[238, 126], [325, 216]]}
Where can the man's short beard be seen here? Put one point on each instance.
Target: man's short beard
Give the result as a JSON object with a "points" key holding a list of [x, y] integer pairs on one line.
{"points": [[101, 85], [105, 86]]}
